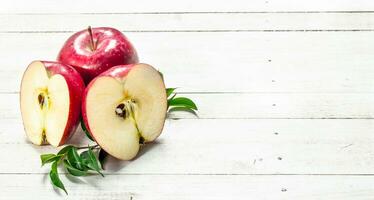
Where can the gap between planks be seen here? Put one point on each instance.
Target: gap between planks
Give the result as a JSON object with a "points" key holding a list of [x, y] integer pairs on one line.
{"points": [[193, 174], [203, 31], [196, 12]]}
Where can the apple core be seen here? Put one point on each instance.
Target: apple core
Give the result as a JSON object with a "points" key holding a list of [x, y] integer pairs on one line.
{"points": [[125, 110], [49, 103]]}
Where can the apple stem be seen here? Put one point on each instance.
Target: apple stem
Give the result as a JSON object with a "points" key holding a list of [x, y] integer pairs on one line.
{"points": [[93, 46]]}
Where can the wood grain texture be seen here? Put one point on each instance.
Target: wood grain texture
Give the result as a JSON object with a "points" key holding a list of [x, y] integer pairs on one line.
{"points": [[112, 6], [314, 62], [284, 90], [189, 22], [134, 187], [224, 147]]}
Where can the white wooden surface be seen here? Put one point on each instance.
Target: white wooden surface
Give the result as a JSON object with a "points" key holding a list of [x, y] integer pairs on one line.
{"points": [[285, 91]]}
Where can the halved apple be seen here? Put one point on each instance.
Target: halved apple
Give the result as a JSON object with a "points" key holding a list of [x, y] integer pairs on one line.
{"points": [[50, 99], [125, 107]]}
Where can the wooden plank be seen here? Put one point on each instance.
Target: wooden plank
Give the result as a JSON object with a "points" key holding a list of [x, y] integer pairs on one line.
{"points": [[313, 62], [226, 147], [112, 6], [190, 22], [192, 187], [257, 105]]}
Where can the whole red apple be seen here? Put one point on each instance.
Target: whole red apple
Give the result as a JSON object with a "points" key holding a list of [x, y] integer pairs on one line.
{"points": [[93, 51], [122, 115], [50, 98]]}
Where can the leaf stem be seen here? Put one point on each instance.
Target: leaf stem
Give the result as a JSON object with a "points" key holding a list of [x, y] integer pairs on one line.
{"points": [[93, 147]]}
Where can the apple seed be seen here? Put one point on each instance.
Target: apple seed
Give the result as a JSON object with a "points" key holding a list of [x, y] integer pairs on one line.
{"points": [[121, 111], [41, 100]]}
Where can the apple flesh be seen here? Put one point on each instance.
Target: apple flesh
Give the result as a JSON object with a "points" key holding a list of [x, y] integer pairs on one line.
{"points": [[50, 99], [93, 51], [125, 107]]}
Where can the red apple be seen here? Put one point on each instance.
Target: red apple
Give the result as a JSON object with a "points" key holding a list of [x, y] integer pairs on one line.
{"points": [[50, 99], [93, 51], [125, 107]]}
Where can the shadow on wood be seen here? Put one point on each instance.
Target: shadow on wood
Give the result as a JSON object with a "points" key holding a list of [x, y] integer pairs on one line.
{"points": [[113, 164]]}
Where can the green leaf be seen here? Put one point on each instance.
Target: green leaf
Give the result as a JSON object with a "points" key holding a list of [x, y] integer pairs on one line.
{"points": [[170, 99], [169, 91], [64, 150], [84, 128], [85, 157], [55, 179], [94, 162], [74, 159], [48, 158], [102, 157], [182, 108], [91, 161], [182, 102], [74, 171]]}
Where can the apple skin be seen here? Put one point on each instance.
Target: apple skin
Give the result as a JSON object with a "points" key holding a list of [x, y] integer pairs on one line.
{"points": [[112, 48], [119, 72], [76, 88]]}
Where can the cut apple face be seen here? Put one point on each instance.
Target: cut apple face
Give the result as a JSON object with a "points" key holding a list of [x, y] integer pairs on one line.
{"points": [[45, 105], [124, 112]]}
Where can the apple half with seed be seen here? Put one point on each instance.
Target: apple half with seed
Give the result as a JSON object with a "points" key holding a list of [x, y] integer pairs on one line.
{"points": [[50, 99], [125, 107]]}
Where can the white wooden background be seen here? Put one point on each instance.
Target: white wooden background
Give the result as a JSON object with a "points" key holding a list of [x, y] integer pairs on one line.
{"points": [[285, 91]]}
